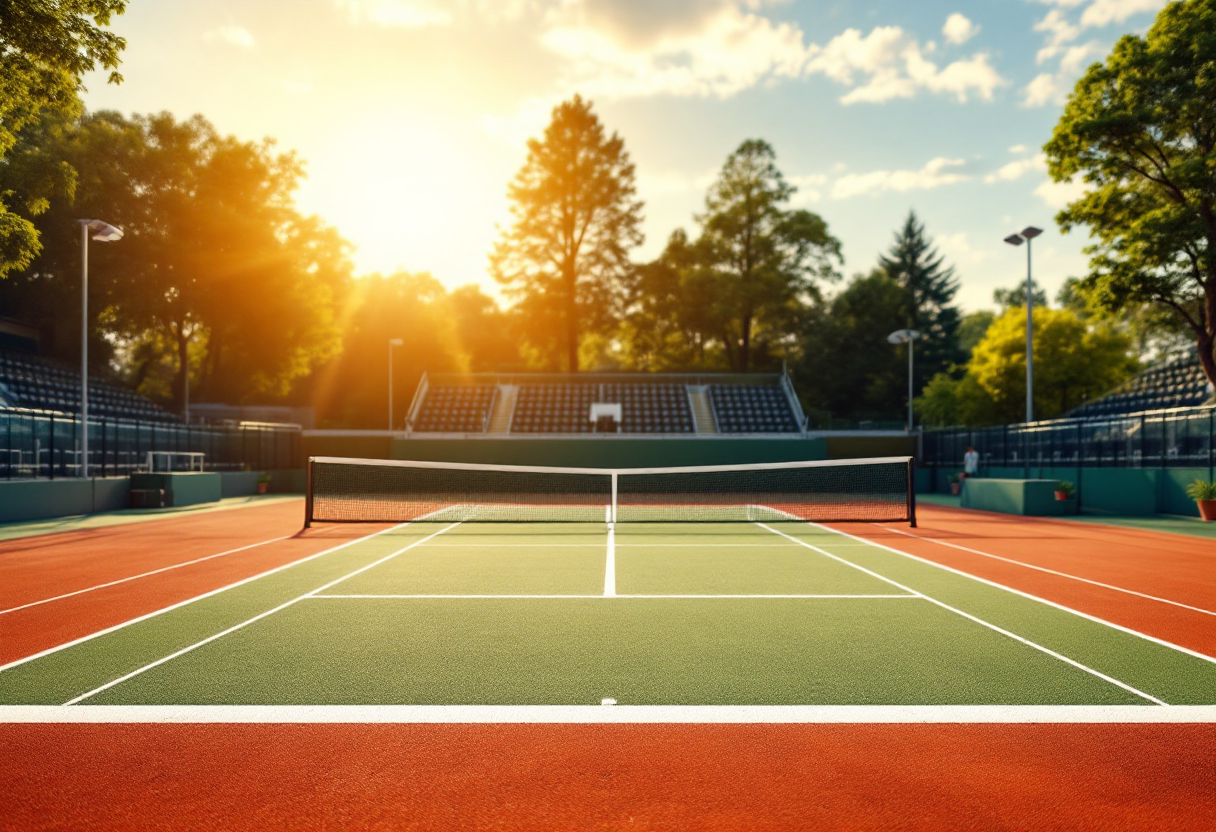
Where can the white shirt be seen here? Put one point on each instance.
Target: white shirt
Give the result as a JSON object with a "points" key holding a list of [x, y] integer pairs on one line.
{"points": [[971, 462]]}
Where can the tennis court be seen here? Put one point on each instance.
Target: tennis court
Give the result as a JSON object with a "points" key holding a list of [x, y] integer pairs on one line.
{"points": [[483, 645]]}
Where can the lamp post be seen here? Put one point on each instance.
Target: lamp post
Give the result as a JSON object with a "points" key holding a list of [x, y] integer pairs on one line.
{"points": [[392, 342], [1027, 234], [102, 232], [906, 336]]}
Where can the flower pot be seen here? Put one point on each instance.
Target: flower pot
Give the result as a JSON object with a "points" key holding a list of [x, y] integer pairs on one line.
{"points": [[1062, 496], [1207, 509], [263, 487], [955, 487]]}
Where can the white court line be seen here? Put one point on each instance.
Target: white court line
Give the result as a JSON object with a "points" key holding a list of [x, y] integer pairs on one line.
{"points": [[179, 604], [610, 565], [1188, 651], [1049, 571], [1112, 680], [624, 714], [143, 575], [258, 617], [601, 597]]}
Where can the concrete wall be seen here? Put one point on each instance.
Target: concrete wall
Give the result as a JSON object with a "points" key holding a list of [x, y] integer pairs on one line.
{"points": [[1132, 492], [183, 489], [238, 483], [44, 499]]}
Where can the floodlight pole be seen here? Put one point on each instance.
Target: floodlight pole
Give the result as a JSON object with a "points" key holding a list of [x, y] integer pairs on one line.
{"points": [[1026, 235], [106, 233], [392, 342], [906, 336], [84, 349], [910, 391]]}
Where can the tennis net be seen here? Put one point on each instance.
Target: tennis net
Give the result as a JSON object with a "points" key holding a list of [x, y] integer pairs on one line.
{"points": [[370, 490]]}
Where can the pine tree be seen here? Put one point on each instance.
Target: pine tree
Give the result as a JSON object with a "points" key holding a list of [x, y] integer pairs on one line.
{"points": [[929, 289]]}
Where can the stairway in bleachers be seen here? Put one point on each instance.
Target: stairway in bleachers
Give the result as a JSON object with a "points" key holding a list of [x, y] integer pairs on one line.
{"points": [[702, 412], [504, 407]]}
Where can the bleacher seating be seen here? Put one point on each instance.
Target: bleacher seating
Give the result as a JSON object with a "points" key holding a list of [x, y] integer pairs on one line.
{"points": [[456, 408], [752, 409], [1178, 383], [29, 381], [651, 408], [555, 408]]}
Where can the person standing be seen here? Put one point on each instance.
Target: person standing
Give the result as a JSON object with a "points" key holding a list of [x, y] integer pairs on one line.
{"points": [[971, 462]]}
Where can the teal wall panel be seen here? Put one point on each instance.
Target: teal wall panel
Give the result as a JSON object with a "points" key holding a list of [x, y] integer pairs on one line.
{"points": [[182, 489], [43, 499]]}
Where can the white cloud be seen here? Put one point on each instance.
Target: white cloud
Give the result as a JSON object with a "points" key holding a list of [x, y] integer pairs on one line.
{"points": [[937, 172], [1017, 149], [1044, 89], [1017, 169], [1105, 12], [1059, 194], [887, 64], [408, 14], [232, 35], [716, 49], [959, 29]]}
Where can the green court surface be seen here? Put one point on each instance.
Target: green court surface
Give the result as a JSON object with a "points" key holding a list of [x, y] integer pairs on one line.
{"points": [[572, 614]]}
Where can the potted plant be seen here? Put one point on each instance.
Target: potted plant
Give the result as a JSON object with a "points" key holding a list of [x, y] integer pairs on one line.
{"points": [[263, 481], [1204, 495], [955, 485], [1065, 491]]}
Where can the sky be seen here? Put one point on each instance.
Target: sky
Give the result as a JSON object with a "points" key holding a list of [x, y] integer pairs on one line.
{"points": [[412, 115]]}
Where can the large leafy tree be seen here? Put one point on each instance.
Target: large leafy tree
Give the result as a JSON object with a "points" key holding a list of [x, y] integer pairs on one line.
{"points": [[847, 368], [1075, 361], [768, 259], [1140, 131], [929, 288], [217, 276], [45, 50], [576, 215]]}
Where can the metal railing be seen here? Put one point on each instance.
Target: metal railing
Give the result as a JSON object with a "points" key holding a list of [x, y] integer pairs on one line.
{"points": [[43, 444], [1177, 438]]}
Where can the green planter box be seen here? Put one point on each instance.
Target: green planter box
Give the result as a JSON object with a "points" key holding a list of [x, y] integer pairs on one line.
{"points": [[1029, 498], [185, 489]]}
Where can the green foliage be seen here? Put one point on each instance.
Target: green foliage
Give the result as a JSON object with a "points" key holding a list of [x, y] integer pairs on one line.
{"points": [[1140, 131], [929, 289], [971, 329], [765, 260], [1201, 490], [45, 49], [217, 270], [1009, 298], [1067, 488], [1074, 362], [565, 259], [847, 367]]}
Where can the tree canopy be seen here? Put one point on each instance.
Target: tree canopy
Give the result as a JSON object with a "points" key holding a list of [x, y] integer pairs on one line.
{"points": [[767, 260], [1074, 362], [45, 49], [929, 287], [1140, 131], [565, 259]]}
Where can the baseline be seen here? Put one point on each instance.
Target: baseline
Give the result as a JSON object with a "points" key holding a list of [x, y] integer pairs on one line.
{"points": [[593, 714]]}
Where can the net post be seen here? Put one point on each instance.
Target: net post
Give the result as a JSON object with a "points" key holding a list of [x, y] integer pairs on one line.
{"points": [[308, 495], [614, 497], [912, 492]]}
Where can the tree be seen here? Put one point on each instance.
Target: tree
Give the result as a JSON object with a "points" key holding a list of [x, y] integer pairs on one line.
{"points": [[1074, 362], [488, 336], [1140, 130], [45, 50], [847, 367], [218, 276], [929, 289], [1008, 298], [971, 330], [576, 216], [767, 259]]}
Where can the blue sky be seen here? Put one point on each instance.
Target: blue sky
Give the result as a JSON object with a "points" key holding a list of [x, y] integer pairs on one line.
{"points": [[412, 114]]}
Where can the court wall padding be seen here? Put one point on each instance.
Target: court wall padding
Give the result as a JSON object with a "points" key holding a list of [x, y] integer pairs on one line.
{"points": [[182, 489], [43, 499]]}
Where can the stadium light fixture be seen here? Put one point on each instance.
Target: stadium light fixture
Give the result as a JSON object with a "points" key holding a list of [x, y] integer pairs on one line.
{"points": [[102, 232], [906, 336], [392, 342], [1026, 235]]}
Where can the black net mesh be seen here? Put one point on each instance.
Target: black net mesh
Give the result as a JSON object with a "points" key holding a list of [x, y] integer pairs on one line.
{"points": [[371, 491]]}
